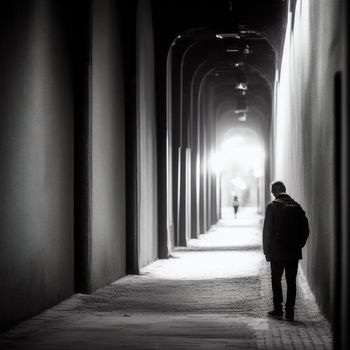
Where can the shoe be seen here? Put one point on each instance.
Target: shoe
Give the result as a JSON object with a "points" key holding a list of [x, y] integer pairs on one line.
{"points": [[275, 314], [289, 316]]}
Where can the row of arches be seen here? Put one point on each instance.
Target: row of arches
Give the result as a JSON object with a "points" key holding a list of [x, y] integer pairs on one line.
{"points": [[215, 85]]}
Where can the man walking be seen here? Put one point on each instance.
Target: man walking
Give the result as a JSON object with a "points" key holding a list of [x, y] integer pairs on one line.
{"points": [[285, 232], [235, 205]]}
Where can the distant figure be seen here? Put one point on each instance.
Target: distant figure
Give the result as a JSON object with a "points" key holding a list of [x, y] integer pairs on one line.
{"points": [[235, 205], [285, 232]]}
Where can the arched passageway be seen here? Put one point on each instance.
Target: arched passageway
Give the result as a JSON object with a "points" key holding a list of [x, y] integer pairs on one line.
{"points": [[215, 81], [127, 127], [240, 162]]}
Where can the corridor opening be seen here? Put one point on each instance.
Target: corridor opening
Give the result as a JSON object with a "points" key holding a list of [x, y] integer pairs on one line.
{"points": [[240, 163], [218, 92]]}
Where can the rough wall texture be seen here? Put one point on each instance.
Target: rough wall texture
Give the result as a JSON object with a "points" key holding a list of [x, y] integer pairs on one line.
{"points": [[304, 132], [107, 147], [36, 157], [146, 139]]}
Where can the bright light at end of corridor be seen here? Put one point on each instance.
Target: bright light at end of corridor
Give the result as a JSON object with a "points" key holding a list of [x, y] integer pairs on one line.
{"points": [[216, 163], [239, 182], [237, 150]]}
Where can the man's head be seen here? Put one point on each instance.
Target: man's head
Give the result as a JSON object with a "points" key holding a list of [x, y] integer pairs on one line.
{"points": [[277, 188]]}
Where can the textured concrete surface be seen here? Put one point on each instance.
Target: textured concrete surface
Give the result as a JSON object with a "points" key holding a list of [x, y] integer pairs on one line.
{"points": [[147, 213], [304, 129], [107, 185], [36, 157], [212, 295]]}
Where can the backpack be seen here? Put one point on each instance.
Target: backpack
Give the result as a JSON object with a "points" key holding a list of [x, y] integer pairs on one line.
{"points": [[292, 226]]}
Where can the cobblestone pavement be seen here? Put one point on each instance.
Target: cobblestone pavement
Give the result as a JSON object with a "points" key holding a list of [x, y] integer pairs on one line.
{"points": [[213, 294]]}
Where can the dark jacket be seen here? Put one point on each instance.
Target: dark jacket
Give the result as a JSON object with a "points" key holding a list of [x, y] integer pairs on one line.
{"points": [[273, 249]]}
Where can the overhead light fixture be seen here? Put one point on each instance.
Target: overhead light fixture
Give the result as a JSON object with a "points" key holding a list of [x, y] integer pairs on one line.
{"points": [[243, 117], [247, 50], [241, 86], [227, 35], [248, 31]]}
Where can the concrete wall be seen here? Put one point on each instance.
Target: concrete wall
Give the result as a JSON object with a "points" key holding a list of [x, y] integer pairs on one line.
{"points": [[107, 147], [304, 132], [146, 138], [36, 157]]}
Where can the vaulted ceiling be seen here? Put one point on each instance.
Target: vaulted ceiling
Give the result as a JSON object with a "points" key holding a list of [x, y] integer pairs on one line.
{"points": [[238, 42]]}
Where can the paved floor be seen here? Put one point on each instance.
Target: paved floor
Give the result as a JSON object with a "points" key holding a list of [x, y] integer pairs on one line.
{"points": [[214, 294]]}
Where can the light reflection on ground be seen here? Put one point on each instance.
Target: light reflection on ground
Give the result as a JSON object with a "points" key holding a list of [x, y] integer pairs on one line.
{"points": [[241, 233], [201, 298], [238, 239]]}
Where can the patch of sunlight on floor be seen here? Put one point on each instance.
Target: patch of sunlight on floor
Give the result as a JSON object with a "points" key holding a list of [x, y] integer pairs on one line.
{"points": [[245, 216], [231, 249], [243, 232], [206, 265]]}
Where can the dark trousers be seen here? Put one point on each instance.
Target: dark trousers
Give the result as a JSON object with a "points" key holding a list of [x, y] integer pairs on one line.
{"points": [[277, 269]]}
